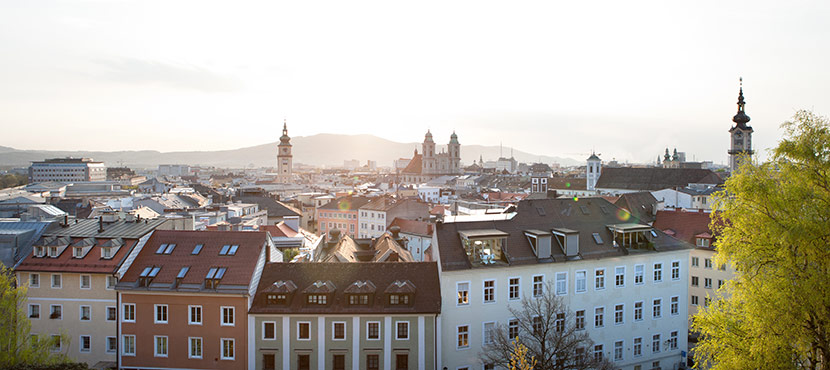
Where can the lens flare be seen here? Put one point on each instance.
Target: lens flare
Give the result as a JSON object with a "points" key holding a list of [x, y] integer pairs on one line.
{"points": [[344, 205], [622, 215], [576, 199], [567, 184]]}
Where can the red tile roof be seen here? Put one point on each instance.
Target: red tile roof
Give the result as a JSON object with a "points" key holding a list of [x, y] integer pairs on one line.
{"points": [[240, 266], [280, 229], [412, 226], [684, 225], [414, 166]]}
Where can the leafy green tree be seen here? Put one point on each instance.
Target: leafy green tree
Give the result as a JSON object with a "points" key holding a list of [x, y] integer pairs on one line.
{"points": [[773, 225], [17, 345]]}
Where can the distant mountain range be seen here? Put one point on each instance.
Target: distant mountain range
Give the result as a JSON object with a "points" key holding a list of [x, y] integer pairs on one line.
{"points": [[318, 150]]}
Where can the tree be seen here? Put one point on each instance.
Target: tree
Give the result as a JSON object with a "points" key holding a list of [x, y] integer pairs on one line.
{"points": [[544, 332], [773, 225], [17, 345]]}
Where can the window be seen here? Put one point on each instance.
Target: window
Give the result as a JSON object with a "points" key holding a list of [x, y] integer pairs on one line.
{"points": [[303, 330], [372, 362], [598, 352], [488, 333], [618, 314], [694, 300], [338, 330], [86, 343], [638, 311], [695, 261], [338, 362], [34, 280], [228, 250], [512, 329], [675, 305], [373, 330], [111, 282], [599, 279], [194, 347], [197, 249], [56, 312], [34, 311], [561, 283], [56, 343], [538, 324], [354, 299], [129, 312], [489, 291], [85, 313], [402, 330], [599, 315], [401, 361], [720, 283], [227, 349], [559, 323], [675, 270], [597, 238], [695, 281], [463, 292], [703, 242], [56, 281], [269, 361], [463, 335], [161, 314], [165, 249], [673, 340], [112, 345], [656, 306], [722, 267], [227, 316], [513, 288], [707, 283], [707, 263], [161, 346], [658, 272], [538, 285], [638, 347], [195, 316], [269, 330], [655, 343], [619, 276], [581, 281], [639, 272], [618, 350], [128, 345], [86, 282], [580, 320], [706, 301]]}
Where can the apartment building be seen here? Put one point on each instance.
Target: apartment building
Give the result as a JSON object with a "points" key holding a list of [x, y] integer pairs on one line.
{"points": [[346, 316], [184, 299], [376, 216], [342, 214], [624, 282], [71, 273], [67, 170]]}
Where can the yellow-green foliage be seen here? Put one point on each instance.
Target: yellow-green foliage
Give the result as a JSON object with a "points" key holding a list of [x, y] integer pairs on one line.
{"points": [[773, 225], [519, 358], [16, 345]]}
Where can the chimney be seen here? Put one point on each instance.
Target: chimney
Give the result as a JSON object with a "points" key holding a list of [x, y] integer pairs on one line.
{"points": [[100, 224], [334, 238]]}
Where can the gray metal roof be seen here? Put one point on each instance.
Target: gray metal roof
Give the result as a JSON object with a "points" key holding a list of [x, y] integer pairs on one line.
{"points": [[85, 228]]}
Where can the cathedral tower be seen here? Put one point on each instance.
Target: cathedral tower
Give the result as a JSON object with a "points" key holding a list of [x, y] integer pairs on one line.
{"points": [[592, 171], [740, 134], [284, 157]]}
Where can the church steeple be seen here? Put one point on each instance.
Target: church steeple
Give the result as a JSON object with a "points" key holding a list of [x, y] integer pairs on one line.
{"points": [[285, 160], [740, 134], [741, 118]]}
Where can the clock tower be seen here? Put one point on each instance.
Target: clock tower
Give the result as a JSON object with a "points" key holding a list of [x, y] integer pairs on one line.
{"points": [[740, 135], [284, 158]]}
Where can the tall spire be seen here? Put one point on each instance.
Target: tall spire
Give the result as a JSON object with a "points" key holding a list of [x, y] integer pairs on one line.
{"points": [[741, 118]]}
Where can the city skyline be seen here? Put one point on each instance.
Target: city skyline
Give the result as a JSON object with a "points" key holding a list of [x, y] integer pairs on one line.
{"points": [[558, 80]]}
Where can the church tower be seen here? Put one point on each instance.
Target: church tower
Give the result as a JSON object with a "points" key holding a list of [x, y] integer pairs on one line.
{"points": [[593, 171], [740, 134], [284, 157], [455, 154], [429, 164]]}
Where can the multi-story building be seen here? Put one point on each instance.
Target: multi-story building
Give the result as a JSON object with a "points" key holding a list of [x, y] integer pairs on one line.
{"points": [[346, 316], [416, 235], [185, 297], [624, 282], [71, 273], [376, 216], [67, 170], [429, 165], [342, 214]]}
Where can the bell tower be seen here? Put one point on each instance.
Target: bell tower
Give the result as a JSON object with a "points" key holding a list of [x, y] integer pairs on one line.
{"points": [[284, 157], [740, 134]]}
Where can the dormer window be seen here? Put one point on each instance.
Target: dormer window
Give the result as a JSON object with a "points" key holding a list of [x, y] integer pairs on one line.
{"points": [[318, 299], [358, 299], [213, 277], [398, 299], [77, 252], [280, 299], [106, 252], [703, 242], [483, 246], [147, 275], [228, 250], [53, 252], [279, 293], [39, 251]]}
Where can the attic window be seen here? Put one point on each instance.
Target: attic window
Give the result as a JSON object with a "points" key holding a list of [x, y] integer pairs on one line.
{"points": [[653, 234], [106, 252], [540, 211], [78, 252], [146, 276], [584, 210], [604, 209], [277, 298], [165, 249], [197, 249], [398, 299], [318, 299], [40, 251], [213, 277], [228, 250], [597, 238], [358, 299], [161, 249], [183, 272], [53, 252]]}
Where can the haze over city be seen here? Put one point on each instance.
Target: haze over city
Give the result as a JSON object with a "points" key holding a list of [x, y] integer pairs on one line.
{"points": [[626, 79]]}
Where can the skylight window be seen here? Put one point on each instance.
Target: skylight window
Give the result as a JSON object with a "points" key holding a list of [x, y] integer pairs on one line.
{"points": [[233, 249], [183, 272], [224, 250], [540, 211], [653, 233], [584, 210], [604, 209], [597, 238], [161, 249], [197, 249], [216, 273], [169, 248], [146, 271], [228, 250]]}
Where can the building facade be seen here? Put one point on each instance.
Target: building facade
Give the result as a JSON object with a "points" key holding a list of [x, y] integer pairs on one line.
{"points": [[342, 214], [346, 316], [67, 170], [624, 283], [592, 172], [430, 164], [285, 160]]}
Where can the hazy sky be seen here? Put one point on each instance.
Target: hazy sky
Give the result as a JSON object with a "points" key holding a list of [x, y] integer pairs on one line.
{"points": [[557, 78]]}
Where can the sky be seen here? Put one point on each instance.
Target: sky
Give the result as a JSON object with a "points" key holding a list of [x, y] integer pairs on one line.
{"points": [[624, 78]]}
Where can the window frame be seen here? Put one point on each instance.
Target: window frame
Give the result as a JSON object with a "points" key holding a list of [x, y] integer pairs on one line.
{"points": [[639, 310], [124, 343], [657, 272], [107, 311], [39, 312], [518, 287], [598, 278], [81, 281], [264, 323], [299, 331], [107, 348], [674, 305], [584, 281], [125, 311], [37, 277], [190, 309], [156, 346], [334, 330], [81, 343], [540, 284], [52, 281], [368, 332], [657, 308], [81, 312], [166, 311], [458, 336], [222, 355], [556, 283], [60, 307], [674, 269], [398, 330], [458, 301], [222, 310], [617, 275], [641, 274], [599, 317], [621, 312], [190, 347], [484, 292]]}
